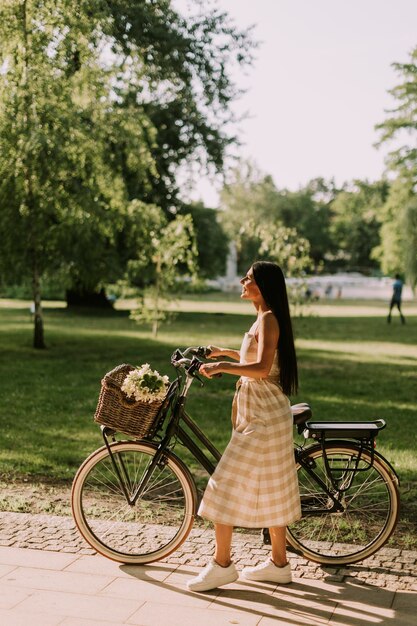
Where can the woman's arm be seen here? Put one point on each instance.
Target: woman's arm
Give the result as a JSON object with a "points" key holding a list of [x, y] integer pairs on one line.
{"points": [[267, 343], [216, 352]]}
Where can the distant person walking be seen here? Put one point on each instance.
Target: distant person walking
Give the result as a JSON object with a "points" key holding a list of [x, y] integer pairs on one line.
{"points": [[397, 290]]}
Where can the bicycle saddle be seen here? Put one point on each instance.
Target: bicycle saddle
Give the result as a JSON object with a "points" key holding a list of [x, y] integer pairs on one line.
{"points": [[301, 413]]}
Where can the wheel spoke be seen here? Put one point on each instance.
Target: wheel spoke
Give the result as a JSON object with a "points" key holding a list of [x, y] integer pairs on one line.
{"points": [[159, 519], [369, 500]]}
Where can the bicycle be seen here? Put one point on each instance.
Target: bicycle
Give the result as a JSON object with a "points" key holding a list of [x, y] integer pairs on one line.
{"points": [[136, 501]]}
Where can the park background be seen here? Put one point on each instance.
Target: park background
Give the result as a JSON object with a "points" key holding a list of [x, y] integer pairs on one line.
{"points": [[111, 118]]}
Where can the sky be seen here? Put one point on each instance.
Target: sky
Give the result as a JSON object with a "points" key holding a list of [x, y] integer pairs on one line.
{"points": [[318, 86]]}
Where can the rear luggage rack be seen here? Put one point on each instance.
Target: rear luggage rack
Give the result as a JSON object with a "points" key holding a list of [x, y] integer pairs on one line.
{"points": [[344, 430]]}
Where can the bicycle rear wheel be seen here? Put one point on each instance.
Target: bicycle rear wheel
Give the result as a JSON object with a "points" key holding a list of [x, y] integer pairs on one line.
{"points": [[151, 528], [370, 506]]}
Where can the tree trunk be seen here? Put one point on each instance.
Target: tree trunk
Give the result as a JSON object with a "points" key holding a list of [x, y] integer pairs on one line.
{"points": [[29, 200], [38, 337], [155, 323]]}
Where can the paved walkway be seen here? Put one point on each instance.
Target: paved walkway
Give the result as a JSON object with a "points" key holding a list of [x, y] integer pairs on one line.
{"points": [[48, 576]]}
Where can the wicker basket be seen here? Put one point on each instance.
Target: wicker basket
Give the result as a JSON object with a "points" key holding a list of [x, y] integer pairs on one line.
{"points": [[115, 410]]}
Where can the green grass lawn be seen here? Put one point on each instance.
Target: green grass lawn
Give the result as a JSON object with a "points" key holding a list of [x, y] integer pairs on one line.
{"points": [[353, 365]]}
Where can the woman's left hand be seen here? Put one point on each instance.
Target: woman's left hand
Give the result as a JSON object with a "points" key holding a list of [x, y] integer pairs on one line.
{"points": [[210, 369]]}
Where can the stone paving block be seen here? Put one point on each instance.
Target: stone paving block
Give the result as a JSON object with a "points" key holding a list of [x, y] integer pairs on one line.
{"points": [[5, 569], [81, 606], [106, 567], [372, 595], [10, 597], [358, 614], [59, 534], [265, 601], [35, 578], [410, 554], [404, 558], [87, 551], [18, 617], [154, 591], [69, 550], [405, 601], [180, 576], [334, 578], [391, 551], [71, 621], [8, 542], [155, 614], [35, 558], [283, 619]]}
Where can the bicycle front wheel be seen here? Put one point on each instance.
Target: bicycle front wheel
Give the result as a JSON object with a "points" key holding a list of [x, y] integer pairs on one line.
{"points": [[369, 498], [118, 526]]}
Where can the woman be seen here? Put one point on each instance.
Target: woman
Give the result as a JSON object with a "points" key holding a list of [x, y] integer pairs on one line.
{"points": [[255, 483]]}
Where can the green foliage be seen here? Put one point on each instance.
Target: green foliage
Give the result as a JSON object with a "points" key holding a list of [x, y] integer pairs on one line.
{"points": [[173, 254], [212, 241], [100, 103], [410, 253], [265, 222], [285, 247], [357, 227], [390, 252], [402, 121], [356, 218], [309, 212], [399, 230]]}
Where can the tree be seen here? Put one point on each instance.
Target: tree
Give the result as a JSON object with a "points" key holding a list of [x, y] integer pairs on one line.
{"points": [[260, 219], [212, 241], [252, 197], [402, 121], [178, 70], [60, 194], [395, 236], [410, 227], [399, 230], [173, 254], [175, 70], [355, 222], [83, 86], [285, 247]]}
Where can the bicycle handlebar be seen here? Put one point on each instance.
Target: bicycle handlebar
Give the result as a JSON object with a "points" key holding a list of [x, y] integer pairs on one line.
{"points": [[180, 359], [191, 366]]}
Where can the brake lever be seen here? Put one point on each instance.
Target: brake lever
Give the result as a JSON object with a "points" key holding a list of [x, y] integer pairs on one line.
{"points": [[194, 366], [200, 380]]}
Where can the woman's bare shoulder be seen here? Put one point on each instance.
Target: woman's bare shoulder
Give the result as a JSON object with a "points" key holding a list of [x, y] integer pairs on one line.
{"points": [[269, 321], [268, 317]]}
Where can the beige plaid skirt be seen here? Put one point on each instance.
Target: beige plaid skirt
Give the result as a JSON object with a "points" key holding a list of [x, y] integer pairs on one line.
{"points": [[255, 483]]}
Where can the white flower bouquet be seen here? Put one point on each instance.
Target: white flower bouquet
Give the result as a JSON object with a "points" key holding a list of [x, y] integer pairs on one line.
{"points": [[144, 384]]}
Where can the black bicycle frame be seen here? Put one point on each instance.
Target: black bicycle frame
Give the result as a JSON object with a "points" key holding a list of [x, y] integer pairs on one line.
{"points": [[345, 472], [189, 443], [175, 430], [337, 506]]}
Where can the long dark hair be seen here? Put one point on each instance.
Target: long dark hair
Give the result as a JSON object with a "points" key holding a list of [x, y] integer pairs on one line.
{"points": [[271, 282]]}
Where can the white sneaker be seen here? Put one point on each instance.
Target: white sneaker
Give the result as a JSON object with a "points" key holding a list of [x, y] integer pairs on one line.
{"points": [[212, 576], [269, 572]]}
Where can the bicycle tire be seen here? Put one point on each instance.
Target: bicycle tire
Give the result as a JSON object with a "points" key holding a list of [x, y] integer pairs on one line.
{"points": [[369, 517], [155, 526]]}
